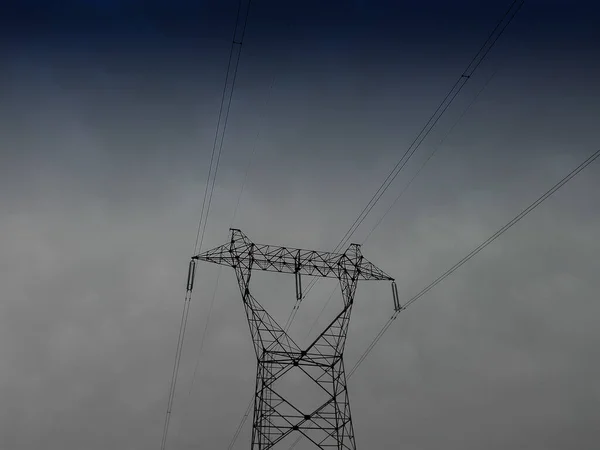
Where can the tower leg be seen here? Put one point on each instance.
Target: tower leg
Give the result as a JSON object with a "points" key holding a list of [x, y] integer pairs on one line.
{"points": [[275, 417]]}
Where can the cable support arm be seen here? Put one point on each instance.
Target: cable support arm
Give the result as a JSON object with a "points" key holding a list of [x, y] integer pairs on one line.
{"points": [[240, 251]]}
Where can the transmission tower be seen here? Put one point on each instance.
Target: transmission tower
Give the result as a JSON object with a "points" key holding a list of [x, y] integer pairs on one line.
{"points": [[275, 417]]}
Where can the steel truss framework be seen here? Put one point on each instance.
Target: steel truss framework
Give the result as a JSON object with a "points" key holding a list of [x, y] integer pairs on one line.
{"points": [[275, 417]]}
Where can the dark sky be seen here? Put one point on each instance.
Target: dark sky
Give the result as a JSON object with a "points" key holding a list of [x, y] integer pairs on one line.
{"points": [[107, 117]]}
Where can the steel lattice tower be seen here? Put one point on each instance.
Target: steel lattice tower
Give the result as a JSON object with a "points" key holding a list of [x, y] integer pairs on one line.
{"points": [[330, 425]]}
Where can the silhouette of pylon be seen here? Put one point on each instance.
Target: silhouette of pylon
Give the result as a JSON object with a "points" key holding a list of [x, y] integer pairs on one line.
{"points": [[275, 417]]}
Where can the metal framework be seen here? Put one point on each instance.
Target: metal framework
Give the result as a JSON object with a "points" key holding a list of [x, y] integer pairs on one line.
{"points": [[275, 417]]}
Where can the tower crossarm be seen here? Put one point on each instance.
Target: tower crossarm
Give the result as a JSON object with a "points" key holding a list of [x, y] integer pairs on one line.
{"points": [[240, 251]]}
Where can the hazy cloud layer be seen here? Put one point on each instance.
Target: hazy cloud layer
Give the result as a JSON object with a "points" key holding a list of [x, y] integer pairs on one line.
{"points": [[104, 152]]}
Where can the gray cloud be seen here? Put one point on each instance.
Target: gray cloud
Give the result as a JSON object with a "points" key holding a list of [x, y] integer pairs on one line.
{"points": [[103, 166]]}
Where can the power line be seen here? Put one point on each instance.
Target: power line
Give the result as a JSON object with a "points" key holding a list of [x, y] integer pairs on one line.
{"points": [[431, 155], [252, 154], [466, 75], [234, 44], [296, 442], [249, 408], [435, 117], [462, 80], [201, 347], [173, 384], [476, 250], [241, 425], [206, 203], [246, 173]]}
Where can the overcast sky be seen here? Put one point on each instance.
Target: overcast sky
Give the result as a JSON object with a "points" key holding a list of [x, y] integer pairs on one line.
{"points": [[107, 117]]}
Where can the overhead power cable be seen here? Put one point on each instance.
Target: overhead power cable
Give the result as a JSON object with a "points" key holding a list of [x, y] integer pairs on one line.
{"points": [[429, 157], [252, 154], [462, 80], [242, 188], [184, 317], [476, 250], [241, 425], [248, 166], [236, 44], [200, 348], [465, 76], [249, 408], [406, 186], [207, 200], [438, 113]]}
